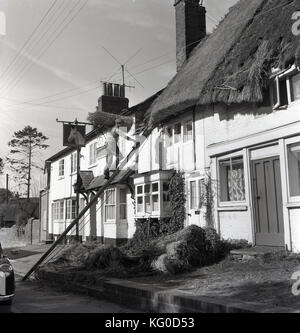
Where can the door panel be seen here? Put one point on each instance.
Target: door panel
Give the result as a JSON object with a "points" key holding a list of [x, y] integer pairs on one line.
{"points": [[267, 198]]}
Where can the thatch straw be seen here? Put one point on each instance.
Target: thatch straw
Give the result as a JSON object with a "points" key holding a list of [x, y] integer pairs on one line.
{"points": [[254, 37]]}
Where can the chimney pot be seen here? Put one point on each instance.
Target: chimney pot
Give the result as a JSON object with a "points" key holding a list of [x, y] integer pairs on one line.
{"points": [[117, 90]]}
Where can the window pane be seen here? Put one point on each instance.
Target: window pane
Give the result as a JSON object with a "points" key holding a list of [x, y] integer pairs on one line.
{"points": [[165, 187], [61, 210], [61, 168], [68, 216], [188, 132], [109, 213], [147, 188], [140, 189], [296, 87], [73, 162], [166, 197], [110, 197], [155, 203], [169, 137], [147, 204], [123, 194], [232, 180], [155, 187], [193, 195], [140, 203], [283, 92], [123, 212], [73, 210], [177, 132], [294, 169]]}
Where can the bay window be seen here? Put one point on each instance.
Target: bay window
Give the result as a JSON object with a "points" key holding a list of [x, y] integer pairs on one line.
{"points": [[152, 195], [232, 180]]}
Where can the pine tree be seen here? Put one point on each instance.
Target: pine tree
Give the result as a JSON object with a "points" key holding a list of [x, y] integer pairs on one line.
{"points": [[25, 145]]}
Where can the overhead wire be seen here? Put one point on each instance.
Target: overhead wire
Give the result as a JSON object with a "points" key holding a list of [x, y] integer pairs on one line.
{"points": [[55, 38]]}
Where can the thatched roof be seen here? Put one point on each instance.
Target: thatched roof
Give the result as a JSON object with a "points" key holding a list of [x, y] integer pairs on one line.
{"points": [[231, 65]]}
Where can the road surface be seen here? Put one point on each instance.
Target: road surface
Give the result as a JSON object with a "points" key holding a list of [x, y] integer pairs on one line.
{"points": [[32, 297]]}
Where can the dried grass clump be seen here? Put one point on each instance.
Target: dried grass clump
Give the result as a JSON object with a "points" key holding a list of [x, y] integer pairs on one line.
{"points": [[176, 253], [76, 255]]}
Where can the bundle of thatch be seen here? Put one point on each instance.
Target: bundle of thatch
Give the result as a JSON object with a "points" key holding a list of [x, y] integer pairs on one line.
{"points": [[108, 120], [176, 253]]}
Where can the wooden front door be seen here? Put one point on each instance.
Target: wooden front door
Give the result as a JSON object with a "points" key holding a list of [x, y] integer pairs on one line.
{"points": [[267, 198]]}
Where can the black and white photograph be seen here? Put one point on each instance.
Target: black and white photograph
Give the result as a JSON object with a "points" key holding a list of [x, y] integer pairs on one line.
{"points": [[149, 159]]}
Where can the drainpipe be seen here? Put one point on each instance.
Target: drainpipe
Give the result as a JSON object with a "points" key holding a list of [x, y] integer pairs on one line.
{"points": [[194, 138]]}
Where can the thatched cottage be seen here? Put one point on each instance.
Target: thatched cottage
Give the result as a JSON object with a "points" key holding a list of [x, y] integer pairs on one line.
{"points": [[232, 114]]}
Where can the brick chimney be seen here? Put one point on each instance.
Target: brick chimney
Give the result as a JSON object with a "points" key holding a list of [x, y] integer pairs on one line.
{"points": [[190, 27], [113, 99]]}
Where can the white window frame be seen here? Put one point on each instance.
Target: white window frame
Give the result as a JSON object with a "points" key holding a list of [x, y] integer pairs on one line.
{"points": [[185, 138], [155, 193], [181, 133], [70, 209], [93, 153], [74, 163], [286, 75], [61, 168], [221, 203], [58, 210], [140, 195], [110, 205], [288, 142], [198, 182]]}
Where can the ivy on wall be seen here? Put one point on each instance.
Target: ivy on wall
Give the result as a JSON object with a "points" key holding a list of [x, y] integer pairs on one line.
{"points": [[207, 199], [178, 201]]}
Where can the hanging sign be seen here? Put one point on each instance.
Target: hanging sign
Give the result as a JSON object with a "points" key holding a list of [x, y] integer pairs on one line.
{"points": [[73, 135]]}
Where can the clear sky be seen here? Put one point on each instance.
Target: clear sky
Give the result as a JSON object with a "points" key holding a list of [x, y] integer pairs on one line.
{"points": [[58, 73]]}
